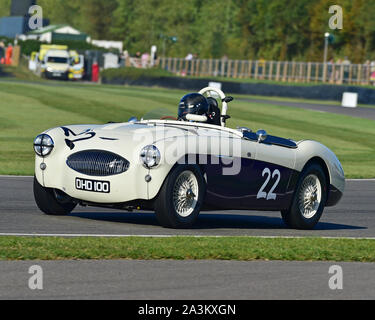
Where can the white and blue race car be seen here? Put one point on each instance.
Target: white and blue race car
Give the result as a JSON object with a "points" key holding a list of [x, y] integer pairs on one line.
{"points": [[178, 167]]}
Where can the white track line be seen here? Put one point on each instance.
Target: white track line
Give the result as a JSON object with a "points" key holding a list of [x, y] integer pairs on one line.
{"points": [[76, 235]]}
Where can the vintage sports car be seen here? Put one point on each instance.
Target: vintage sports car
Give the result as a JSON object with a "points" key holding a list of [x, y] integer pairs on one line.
{"points": [[180, 166]]}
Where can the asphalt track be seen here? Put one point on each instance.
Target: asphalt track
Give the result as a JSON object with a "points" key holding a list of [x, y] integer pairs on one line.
{"points": [[185, 280], [354, 216], [358, 112]]}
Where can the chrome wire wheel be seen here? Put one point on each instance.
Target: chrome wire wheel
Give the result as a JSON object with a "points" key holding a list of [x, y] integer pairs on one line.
{"points": [[310, 196], [185, 193]]}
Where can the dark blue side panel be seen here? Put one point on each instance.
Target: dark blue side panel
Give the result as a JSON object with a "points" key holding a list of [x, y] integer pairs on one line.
{"points": [[257, 186]]}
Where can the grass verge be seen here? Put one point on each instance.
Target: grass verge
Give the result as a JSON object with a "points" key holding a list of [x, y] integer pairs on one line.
{"points": [[181, 248], [26, 109]]}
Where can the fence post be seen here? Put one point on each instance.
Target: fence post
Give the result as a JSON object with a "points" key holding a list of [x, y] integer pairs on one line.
{"points": [[324, 72], [235, 68], [242, 72], [249, 69], [308, 77], [210, 67], [359, 73], [270, 71], [285, 71], [256, 70], [197, 68], [277, 71], [216, 72], [169, 64], [300, 78], [174, 68], [291, 77], [162, 63], [332, 76]]}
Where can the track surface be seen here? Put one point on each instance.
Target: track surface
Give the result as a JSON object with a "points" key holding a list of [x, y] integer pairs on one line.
{"points": [[168, 280], [359, 112], [354, 216]]}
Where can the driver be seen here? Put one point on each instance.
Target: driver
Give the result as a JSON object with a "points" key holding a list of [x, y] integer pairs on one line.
{"points": [[196, 103], [192, 103]]}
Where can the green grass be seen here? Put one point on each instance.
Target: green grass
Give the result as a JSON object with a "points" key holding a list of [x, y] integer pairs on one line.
{"points": [[181, 248], [27, 109], [296, 100], [21, 72]]}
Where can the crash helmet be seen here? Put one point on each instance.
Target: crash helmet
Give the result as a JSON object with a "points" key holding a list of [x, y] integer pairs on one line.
{"points": [[192, 103]]}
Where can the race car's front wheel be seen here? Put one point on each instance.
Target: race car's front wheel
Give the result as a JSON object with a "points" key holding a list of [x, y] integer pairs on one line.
{"points": [[309, 199], [50, 201], [180, 198]]}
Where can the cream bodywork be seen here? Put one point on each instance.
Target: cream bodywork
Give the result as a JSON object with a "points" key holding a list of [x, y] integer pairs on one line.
{"points": [[174, 140], [308, 149]]}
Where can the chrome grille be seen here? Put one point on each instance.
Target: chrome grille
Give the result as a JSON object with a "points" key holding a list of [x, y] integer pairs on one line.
{"points": [[97, 163]]}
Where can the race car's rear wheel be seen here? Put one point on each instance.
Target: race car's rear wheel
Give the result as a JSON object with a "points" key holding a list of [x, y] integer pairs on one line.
{"points": [[309, 199], [52, 202], [180, 198]]}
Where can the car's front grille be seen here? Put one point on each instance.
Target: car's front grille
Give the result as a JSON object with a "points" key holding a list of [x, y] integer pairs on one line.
{"points": [[97, 163]]}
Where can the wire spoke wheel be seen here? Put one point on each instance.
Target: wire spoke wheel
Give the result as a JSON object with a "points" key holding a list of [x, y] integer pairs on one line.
{"points": [[310, 196], [185, 193]]}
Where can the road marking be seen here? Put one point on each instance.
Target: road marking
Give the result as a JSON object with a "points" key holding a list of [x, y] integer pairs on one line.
{"points": [[77, 235]]}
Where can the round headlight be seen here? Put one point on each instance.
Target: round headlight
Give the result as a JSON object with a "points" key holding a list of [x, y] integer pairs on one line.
{"points": [[150, 156], [43, 145]]}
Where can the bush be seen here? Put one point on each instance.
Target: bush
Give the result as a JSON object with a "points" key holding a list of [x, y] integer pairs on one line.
{"points": [[28, 46], [134, 73]]}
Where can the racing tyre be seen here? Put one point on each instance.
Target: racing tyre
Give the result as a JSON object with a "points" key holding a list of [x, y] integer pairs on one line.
{"points": [[50, 202], [180, 198], [309, 199]]}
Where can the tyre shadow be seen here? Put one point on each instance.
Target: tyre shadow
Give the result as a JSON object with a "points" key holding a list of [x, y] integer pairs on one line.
{"points": [[207, 221]]}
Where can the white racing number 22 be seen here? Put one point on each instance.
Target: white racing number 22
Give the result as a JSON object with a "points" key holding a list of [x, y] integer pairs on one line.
{"points": [[270, 195]]}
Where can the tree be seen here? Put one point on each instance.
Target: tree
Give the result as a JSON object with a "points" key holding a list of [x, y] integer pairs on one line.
{"points": [[5, 8], [99, 17]]}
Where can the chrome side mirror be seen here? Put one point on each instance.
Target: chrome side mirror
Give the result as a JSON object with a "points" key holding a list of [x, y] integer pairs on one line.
{"points": [[262, 135], [243, 129]]}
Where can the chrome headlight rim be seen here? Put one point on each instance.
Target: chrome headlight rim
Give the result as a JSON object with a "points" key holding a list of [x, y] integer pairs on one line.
{"points": [[150, 156], [43, 145]]}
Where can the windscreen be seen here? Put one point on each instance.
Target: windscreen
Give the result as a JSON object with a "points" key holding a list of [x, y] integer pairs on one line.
{"points": [[160, 114], [57, 60]]}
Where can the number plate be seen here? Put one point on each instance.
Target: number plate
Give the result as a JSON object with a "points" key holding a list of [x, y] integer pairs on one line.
{"points": [[56, 74], [93, 185]]}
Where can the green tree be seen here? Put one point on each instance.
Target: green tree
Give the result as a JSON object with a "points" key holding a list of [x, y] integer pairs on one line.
{"points": [[5, 8], [98, 15]]}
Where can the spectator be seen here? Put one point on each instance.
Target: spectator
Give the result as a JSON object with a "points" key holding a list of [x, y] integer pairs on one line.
{"points": [[95, 71], [261, 67], [189, 57], [2, 52], [8, 55], [372, 70], [145, 60]]}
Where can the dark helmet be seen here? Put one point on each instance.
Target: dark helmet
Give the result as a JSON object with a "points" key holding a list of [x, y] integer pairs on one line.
{"points": [[192, 103]]}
